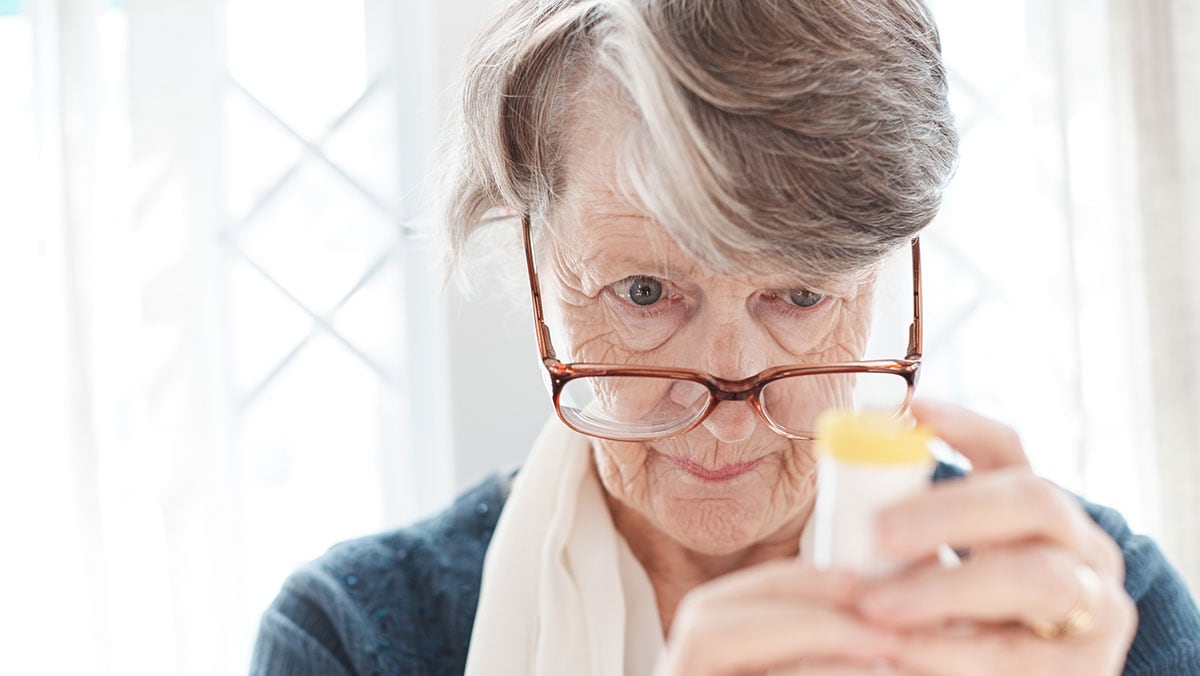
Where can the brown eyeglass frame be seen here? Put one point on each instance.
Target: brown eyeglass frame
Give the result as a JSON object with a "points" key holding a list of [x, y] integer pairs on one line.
{"points": [[558, 374]]}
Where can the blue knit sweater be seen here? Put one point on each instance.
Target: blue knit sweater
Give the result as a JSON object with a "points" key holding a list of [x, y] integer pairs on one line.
{"points": [[404, 602]]}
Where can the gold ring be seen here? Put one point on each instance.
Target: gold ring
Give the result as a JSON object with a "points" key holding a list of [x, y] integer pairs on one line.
{"points": [[1080, 617]]}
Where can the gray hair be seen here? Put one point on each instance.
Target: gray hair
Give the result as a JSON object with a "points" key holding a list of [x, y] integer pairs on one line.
{"points": [[799, 134]]}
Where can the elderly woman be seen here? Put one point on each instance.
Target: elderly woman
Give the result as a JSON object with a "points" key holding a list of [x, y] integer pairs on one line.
{"points": [[705, 191]]}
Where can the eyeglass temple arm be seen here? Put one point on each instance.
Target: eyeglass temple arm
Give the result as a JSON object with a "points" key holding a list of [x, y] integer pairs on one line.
{"points": [[545, 348], [915, 339]]}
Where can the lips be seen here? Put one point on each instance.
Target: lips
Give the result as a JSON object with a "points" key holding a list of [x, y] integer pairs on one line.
{"points": [[724, 473]]}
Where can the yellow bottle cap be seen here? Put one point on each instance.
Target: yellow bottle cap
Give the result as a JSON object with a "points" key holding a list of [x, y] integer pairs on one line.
{"points": [[872, 438]]}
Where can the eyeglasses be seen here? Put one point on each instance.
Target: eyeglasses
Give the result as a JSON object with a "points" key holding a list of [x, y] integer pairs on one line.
{"points": [[626, 403]]}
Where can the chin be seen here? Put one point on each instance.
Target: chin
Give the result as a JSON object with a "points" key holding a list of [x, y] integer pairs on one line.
{"points": [[718, 523]]}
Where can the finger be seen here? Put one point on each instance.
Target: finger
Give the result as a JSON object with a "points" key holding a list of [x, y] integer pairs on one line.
{"points": [[787, 579], [754, 635], [1027, 584], [986, 652], [988, 444], [998, 508], [1013, 649]]}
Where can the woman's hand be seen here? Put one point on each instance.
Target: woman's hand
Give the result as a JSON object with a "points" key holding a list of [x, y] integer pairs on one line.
{"points": [[781, 614], [1033, 552]]}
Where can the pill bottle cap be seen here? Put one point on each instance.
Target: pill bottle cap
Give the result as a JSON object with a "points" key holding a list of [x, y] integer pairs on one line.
{"points": [[872, 438]]}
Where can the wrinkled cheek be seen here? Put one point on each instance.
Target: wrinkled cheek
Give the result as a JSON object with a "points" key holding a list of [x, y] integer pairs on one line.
{"points": [[589, 339], [644, 400], [795, 403], [841, 337], [806, 343], [643, 337], [623, 468], [595, 338], [600, 331], [853, 329]]}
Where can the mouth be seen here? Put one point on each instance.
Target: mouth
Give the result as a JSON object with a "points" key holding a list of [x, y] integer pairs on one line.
{"points": [[724, 473]]}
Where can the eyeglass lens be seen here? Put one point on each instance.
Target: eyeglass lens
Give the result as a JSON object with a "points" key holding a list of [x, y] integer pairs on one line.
{"points": [[646, 406]]}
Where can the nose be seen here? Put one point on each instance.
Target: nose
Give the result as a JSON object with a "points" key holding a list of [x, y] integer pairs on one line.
{"points": [[732, 346], [731, 421], [734, 349]]}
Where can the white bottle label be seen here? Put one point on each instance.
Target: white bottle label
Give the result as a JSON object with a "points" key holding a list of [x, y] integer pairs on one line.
{"points": [[849, 497]]}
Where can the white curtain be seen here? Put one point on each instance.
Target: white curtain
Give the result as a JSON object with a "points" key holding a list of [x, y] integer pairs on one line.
{"points": [[1071, 306], [1158, 75], [220, 353]]}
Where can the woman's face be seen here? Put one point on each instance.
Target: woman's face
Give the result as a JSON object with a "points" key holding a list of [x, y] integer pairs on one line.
{"points": [[619, 290]]}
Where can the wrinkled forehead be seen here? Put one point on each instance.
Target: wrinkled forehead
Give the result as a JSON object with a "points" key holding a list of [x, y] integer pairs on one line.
{"points": [[609, 233]]}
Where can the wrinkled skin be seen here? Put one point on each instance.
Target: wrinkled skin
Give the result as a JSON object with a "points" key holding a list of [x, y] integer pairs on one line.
{"points": [[731, 327], [728, 327]]}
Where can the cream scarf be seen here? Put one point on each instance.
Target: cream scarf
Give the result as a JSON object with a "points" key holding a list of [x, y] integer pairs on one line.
{"points": [[562, 593]]}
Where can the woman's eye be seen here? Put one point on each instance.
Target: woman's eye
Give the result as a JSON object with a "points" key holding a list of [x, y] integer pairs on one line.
{"points": [[804, 297], [643, 290]]}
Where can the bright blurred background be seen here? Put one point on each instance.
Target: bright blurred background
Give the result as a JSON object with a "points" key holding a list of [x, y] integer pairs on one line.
{"points": [[225, 345]]}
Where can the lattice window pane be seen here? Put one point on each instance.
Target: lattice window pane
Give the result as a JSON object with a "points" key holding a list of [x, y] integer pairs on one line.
{"points": [[318, 290]]}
